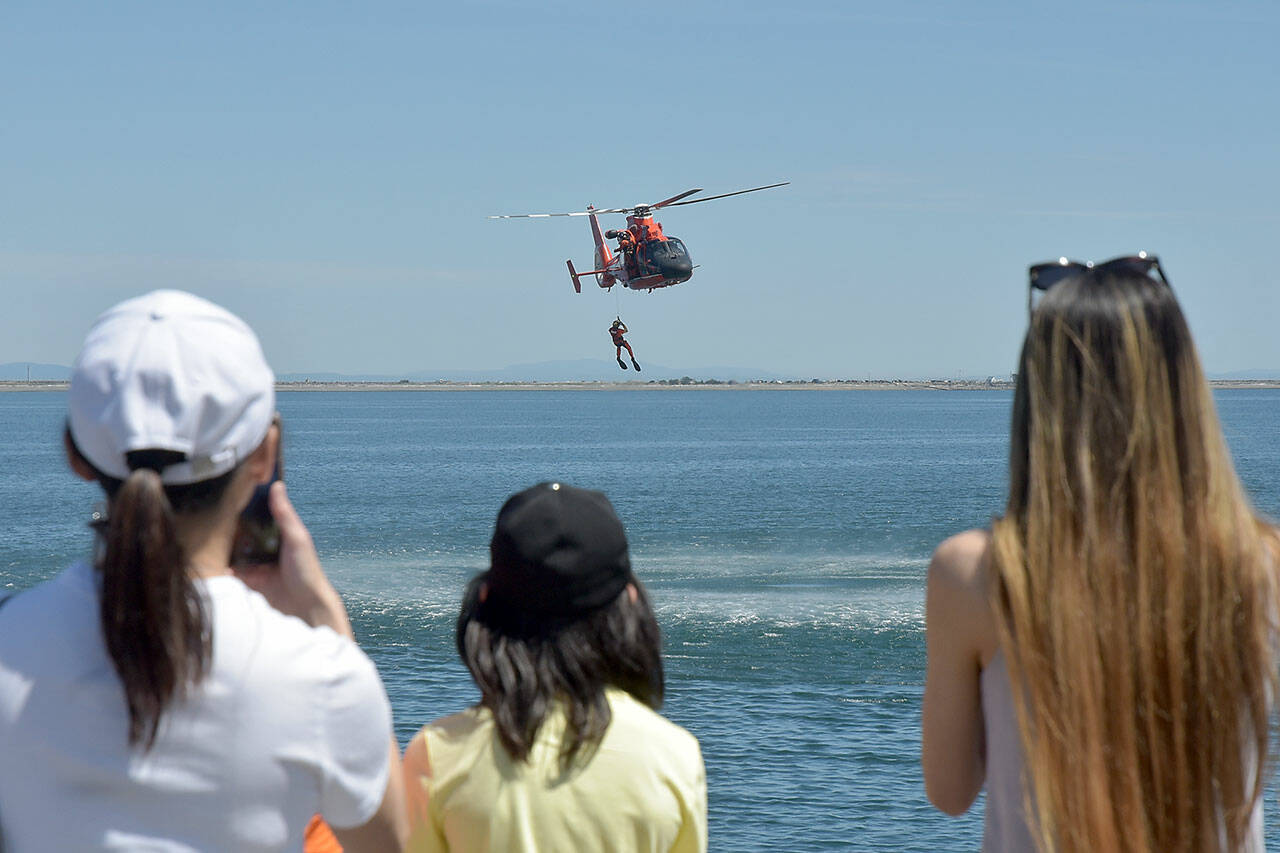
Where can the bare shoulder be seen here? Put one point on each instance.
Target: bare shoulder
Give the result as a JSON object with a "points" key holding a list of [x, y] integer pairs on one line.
{"points": [[957, 605], [961, 561]]}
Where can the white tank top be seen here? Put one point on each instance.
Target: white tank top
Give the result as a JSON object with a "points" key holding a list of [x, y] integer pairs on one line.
{"points": [[1004, 823]]}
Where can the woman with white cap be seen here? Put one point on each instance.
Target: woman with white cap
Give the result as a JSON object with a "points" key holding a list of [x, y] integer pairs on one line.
{"points": [[149, 699], [565, 750]]}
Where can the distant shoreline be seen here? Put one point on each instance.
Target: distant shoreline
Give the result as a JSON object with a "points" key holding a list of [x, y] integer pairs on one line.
{"points": [[676, 385]]}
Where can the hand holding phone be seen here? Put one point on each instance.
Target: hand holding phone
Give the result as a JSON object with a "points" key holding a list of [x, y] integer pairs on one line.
{"points": [[297, 584], [257, 539]]}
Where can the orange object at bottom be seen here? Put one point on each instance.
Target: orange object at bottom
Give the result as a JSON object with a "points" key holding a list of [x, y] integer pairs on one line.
{"points": [[319, 838]]}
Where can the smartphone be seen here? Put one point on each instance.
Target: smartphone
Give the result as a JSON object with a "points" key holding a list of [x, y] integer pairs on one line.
{"points": [[257, 535]]}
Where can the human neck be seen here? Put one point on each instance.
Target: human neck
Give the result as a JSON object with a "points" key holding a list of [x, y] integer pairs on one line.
{"points": [[206, 540]]}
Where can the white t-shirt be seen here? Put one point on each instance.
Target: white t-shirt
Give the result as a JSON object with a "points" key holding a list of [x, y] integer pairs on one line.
{"points": [[291, 720]]}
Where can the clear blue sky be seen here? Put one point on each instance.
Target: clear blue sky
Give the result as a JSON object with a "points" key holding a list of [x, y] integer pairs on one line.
{"points": [[324, 169]]}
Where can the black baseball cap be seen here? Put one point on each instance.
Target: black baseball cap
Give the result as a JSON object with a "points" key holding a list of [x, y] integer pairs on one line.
{"points": [[558, 553]]}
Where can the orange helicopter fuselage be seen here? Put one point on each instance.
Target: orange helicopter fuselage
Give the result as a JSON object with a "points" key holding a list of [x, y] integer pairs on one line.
{"points": [[654, 259]]}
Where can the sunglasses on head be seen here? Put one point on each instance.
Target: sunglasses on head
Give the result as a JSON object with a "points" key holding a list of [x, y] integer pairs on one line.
{"points": [[1046, 275]]}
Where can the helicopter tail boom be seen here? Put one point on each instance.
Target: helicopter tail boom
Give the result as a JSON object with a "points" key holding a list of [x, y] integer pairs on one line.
{"points": [[575, 275], [603, 255]]}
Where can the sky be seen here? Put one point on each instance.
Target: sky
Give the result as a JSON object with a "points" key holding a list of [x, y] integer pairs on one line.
{"points": [[325, 170]]}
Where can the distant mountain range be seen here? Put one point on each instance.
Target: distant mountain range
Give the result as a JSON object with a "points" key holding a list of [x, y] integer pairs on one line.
{"points": [[18, 371], [578, 370], [1247, 374]]}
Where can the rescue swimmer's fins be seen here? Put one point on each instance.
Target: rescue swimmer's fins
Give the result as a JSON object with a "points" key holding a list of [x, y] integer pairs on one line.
{"points": [[622, 364], [636, 365]]}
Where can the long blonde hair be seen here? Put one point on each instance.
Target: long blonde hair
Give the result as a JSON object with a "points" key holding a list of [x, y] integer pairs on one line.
{"points": [[1132, 582]]}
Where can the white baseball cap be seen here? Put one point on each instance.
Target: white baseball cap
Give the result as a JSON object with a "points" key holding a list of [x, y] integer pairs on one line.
{"points": [[170, 371]]}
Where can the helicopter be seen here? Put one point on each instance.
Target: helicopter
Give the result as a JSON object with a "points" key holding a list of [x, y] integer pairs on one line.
{"points": [[647, 258]]}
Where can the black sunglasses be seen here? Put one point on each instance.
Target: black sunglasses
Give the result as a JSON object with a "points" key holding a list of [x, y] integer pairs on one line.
{"points": [[1046, 275]]}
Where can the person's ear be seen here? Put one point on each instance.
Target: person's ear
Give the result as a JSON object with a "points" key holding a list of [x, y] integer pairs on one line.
{"points": [[262, 462], [633, 593], [79, 465], [483, 593]]}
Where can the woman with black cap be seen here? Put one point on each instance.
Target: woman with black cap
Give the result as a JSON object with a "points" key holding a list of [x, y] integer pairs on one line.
{"points": [[565, 750], [149, 699]]}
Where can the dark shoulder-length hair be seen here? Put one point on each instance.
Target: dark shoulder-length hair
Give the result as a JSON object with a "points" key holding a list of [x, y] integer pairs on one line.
{"points": [[522, 678], [154, 623]]}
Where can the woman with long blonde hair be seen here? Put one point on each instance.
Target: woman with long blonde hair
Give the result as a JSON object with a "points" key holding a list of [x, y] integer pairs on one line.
{"points": [[1102, 659]]}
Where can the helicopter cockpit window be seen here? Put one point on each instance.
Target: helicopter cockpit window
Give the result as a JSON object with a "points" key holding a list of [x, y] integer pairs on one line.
{"points": [[668, 249], [647, 257], [653, 256]]}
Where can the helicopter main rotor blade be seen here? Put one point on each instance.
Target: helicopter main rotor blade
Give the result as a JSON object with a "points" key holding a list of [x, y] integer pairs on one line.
{"points": [[674, 201], [543, 215], [726, 195], [596, 210], [674, 198]]}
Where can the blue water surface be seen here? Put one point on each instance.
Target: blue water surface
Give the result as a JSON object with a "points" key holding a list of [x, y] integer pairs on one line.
{"points": [[783, 535]]}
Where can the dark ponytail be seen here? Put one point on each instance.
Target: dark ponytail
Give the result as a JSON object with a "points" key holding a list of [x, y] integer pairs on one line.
{"points": [[153, 617]]}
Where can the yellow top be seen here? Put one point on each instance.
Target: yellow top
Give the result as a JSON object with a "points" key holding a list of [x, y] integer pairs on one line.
{"points": [[643, 789]]}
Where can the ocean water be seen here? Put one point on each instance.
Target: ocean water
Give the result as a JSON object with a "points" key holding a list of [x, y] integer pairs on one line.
{"points": [[783, 535]]}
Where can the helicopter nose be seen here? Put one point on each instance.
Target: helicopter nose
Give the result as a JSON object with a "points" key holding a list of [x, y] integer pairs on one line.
{"points": [[676, 268]]}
